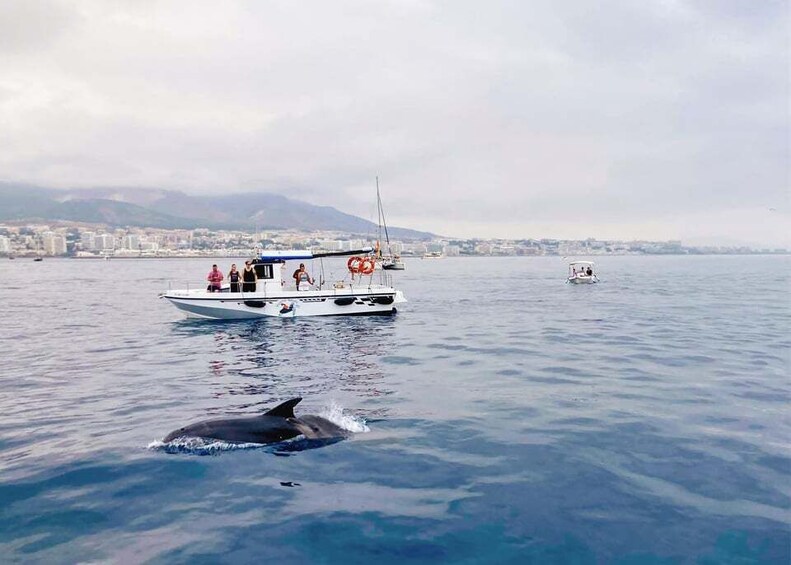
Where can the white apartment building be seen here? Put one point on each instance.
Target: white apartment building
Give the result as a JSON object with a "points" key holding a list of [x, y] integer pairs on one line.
{"points": [[131, 242], [88, 240], [355, 244], [331, 245], [452, 250], [54, 244], [104, 242], [5, 244]]}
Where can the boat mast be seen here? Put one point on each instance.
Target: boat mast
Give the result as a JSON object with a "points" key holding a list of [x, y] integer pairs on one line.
{"points": [[379, 220], [382, 221]]}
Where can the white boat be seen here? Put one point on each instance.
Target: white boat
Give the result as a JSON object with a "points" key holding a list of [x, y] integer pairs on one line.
{"points": [[275, 297], [582, 272], [391, 261]]}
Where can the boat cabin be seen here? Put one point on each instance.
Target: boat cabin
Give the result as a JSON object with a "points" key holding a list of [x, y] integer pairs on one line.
{"points": [[269, 268], [581, 268]]}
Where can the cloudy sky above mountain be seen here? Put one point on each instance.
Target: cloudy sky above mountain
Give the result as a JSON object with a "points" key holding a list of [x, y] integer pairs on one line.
{"points": [[660, 119]]}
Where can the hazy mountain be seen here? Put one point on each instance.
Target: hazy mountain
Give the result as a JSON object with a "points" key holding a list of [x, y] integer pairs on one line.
{"points": [[19, 201], [173, 209]]}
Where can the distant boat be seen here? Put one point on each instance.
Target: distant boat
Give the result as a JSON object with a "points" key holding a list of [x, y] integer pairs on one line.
{"points": [[39, 259], [581, 272], [391, 261], [433, 255]]}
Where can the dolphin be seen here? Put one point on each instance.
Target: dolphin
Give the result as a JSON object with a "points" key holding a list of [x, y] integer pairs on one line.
{"points": [[278, 424]]}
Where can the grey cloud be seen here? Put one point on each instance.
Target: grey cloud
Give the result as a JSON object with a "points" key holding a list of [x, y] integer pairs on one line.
{"points": [[33, 25], [620, 111]]}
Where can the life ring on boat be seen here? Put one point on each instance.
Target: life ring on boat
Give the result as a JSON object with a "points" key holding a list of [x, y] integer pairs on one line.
{"points": [[366, 266], [354, 264]]}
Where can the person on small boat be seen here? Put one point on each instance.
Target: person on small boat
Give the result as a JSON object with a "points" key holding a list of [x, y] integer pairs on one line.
{"points": [[215, 278], [589, 272], [234, 277], [249, 278], [302, 278]]}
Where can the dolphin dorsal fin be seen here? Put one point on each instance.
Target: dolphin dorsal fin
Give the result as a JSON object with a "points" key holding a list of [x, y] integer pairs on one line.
{"points": [[285, 410]]}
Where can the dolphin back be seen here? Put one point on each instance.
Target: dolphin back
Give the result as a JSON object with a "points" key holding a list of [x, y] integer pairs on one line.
{"points": [[275, 425], [286, 409], [258, 429]]}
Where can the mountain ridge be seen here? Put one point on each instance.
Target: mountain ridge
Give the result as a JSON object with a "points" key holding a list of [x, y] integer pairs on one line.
{"points": [[172, 209]]}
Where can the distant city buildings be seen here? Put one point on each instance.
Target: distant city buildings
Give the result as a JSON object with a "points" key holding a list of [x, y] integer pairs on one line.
{"points": [[131, 241], [452, 250], [104, 242], [54, 244], [90, 240]]}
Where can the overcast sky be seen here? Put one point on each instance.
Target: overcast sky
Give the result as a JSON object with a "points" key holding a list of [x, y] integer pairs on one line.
{"points": [[610, 119]]}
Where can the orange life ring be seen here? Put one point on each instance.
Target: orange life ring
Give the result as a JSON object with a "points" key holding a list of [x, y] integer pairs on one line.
{"points": [[353, 264], [366, 267]]}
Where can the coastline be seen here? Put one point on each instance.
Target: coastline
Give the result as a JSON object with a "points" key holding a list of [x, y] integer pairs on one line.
{"points": [[410, 257]]}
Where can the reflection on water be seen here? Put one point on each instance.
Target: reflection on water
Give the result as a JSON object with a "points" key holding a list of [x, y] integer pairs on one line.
{"points": [[316, 355]]}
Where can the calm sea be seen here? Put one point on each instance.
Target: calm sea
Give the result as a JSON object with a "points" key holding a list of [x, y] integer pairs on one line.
{"points": [[512, 418]]}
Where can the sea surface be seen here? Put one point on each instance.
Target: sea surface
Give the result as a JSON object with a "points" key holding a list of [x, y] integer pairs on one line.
{"points": [[502, 416]]}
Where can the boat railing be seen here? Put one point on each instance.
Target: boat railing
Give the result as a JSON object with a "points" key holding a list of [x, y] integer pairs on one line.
{"points": [[187, 285], [360, 283]]}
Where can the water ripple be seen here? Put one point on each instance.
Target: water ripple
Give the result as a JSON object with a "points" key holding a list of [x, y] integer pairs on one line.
{"points": [[643, 419]]}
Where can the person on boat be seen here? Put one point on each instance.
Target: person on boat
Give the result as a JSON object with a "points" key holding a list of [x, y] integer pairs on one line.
{"points": [[249, 278], [215, 278], [589, 272], [234, 277], [302, 278], [573, 272]]}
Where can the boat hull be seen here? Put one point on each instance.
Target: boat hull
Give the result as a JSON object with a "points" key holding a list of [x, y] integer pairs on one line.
{"points": [[582, 280], [245, 306]]}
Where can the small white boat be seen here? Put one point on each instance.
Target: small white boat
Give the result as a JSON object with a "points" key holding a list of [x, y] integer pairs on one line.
{"points": [[582, 272], [392, 263], [273, 296]]}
